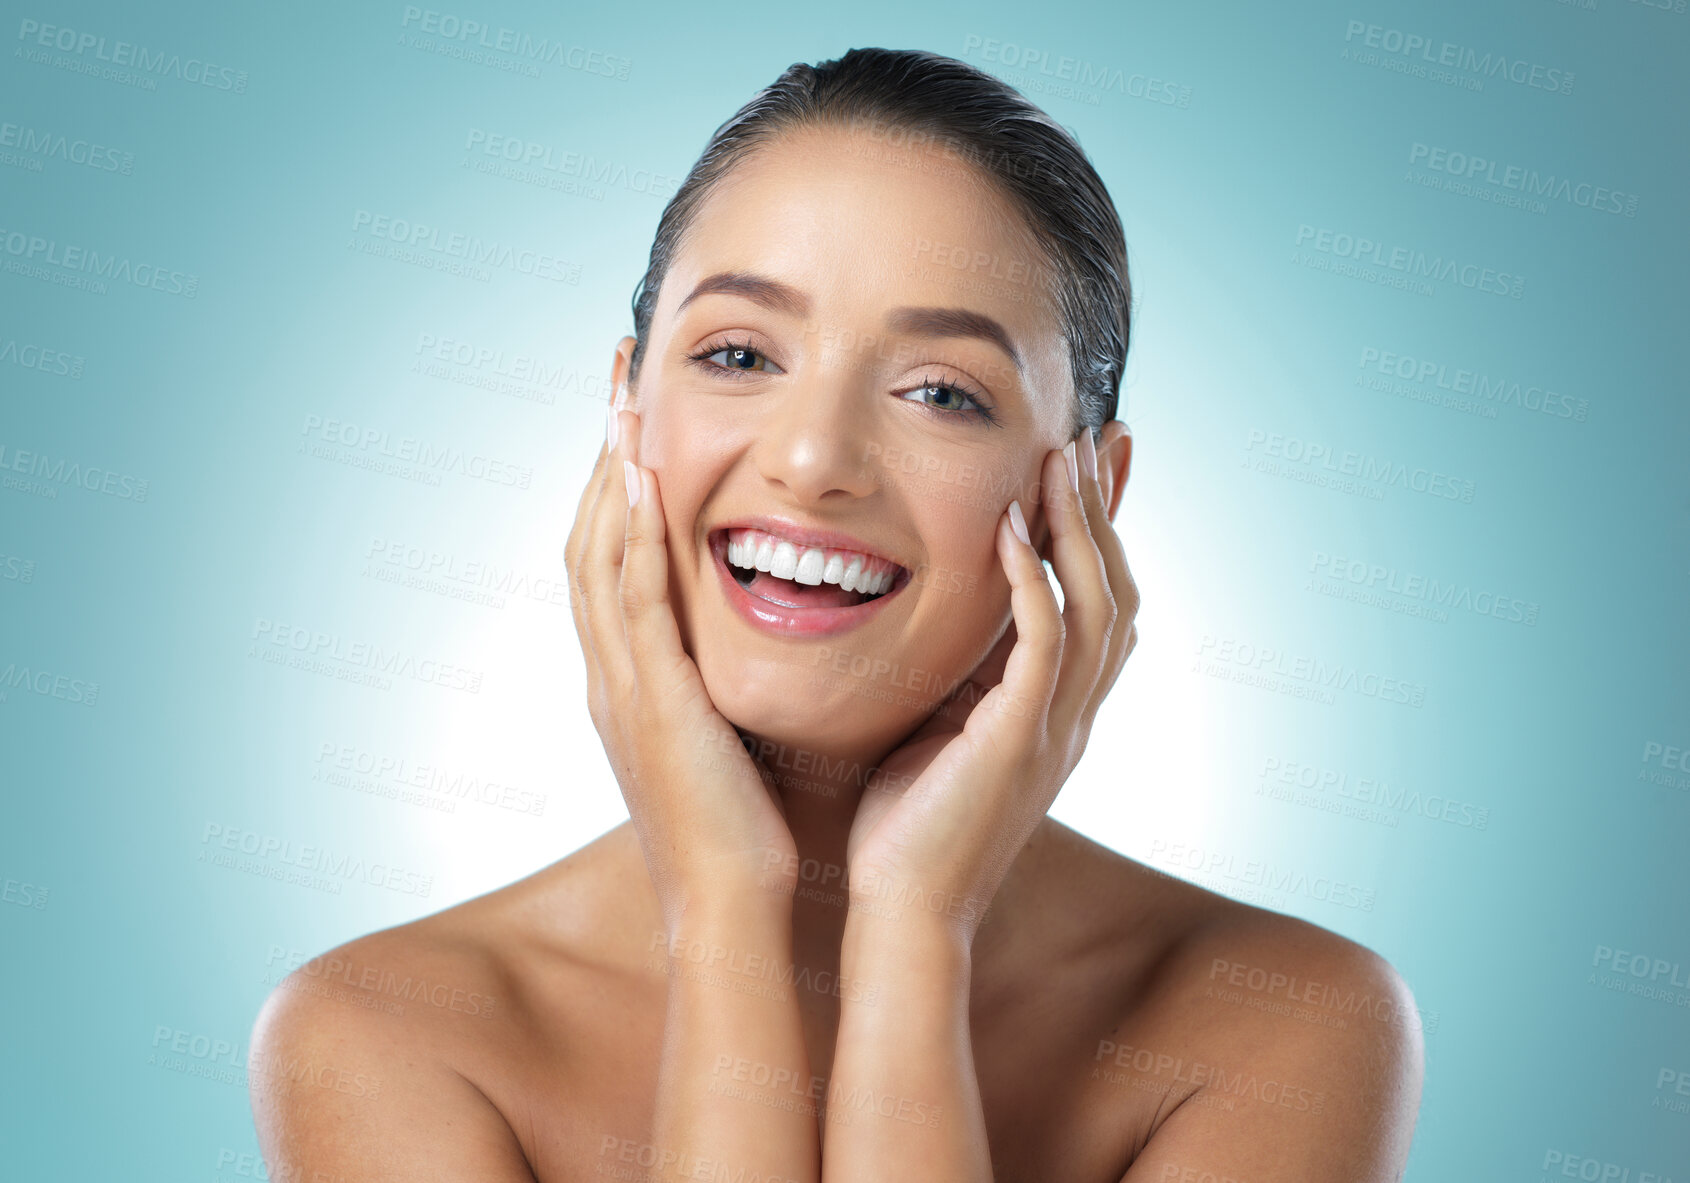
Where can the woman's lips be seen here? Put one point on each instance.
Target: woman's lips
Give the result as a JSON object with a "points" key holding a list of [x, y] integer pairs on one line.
{"points": [[789, 615]]}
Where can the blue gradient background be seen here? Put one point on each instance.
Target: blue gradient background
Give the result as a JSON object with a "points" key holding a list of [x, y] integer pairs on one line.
{"points": [[1544, 726]]}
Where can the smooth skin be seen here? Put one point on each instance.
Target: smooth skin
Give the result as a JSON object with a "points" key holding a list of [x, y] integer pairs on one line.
{"points": [[862, 950]]}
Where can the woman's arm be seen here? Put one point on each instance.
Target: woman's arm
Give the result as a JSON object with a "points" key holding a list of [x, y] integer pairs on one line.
{"points": [[732, 1090], [710, 831], [904, 1101], [948, 814]]}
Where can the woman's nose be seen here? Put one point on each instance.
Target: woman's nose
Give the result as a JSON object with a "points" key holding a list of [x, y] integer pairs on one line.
{"points": [[816, 438]]}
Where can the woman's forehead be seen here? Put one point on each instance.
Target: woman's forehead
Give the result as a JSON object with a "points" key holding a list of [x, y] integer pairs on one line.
{"points": [[855, 221]]}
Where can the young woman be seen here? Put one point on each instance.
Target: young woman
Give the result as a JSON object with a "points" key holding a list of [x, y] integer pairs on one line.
{"points": [[871, 390]]}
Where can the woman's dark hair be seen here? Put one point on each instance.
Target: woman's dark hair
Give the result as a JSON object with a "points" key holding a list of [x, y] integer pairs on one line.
{"points": [[911, 95]]}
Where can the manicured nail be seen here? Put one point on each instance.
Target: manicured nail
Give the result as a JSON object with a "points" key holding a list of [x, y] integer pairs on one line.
{"points": [[1073, 466], [1018, 523], [1088, 454], [632, 475], [611, 427]]}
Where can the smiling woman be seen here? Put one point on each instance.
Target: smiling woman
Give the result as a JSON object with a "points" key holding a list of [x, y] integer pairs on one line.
{"points": [[871, 391]]}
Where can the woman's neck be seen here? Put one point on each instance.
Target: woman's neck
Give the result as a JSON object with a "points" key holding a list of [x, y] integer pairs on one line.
{"points": [[818, 791]]}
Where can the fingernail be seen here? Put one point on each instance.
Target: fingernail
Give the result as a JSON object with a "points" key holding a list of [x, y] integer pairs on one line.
{"points": [[1073, 467], [611, 427], [632, 475], [1088, 454], [1018, 523]]}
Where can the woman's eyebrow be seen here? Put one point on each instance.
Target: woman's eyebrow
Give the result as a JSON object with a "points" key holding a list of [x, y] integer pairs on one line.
{"points": [[759, 289], [954, 322], [916, 322]]}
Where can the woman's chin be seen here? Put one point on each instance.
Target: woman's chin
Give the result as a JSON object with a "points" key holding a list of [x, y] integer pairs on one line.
{"points": [[803, 720], [766, 711]]}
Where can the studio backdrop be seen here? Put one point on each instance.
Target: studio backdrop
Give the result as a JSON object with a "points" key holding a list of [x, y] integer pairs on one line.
{"points": [[308, 318]]}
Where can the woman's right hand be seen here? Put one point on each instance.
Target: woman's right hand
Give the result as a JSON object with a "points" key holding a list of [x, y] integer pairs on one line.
{"points": [[710, 826]]}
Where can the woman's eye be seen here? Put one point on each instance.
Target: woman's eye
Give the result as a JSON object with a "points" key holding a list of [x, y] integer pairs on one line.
{"points": [[946, 397], [741, 358]]}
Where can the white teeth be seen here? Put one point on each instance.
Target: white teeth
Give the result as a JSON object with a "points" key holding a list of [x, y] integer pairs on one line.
{"points": [[785, 565], [810, 566]]}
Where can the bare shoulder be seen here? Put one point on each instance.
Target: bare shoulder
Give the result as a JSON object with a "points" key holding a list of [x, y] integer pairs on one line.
{"points": [[1279, 1049], [354, 1064], [402, 1054]]}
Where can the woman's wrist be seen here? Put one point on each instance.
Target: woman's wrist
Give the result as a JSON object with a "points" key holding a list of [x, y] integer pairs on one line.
{"points": [[889, 944], [896, 909], [722, 908]]}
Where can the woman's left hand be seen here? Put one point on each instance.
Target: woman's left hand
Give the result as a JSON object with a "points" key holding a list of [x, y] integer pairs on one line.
{"points": [[948, 811]]}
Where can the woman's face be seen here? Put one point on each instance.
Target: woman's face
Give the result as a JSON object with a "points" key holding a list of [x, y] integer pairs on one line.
{"points": [[823, 365]]}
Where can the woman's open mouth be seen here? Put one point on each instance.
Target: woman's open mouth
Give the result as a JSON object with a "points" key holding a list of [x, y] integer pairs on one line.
{"points": [[810, 590]]}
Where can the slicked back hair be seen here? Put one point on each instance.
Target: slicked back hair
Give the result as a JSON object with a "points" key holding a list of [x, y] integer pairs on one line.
{"points": [[914, 97]]}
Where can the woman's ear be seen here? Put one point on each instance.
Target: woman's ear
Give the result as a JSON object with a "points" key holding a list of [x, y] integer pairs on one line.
{"points": [[620, 364], [1114, 462]]}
